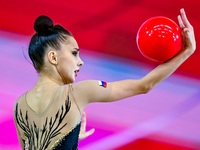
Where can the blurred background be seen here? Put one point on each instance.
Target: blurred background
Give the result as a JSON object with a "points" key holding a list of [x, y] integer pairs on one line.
{"points": [[167, 118]]}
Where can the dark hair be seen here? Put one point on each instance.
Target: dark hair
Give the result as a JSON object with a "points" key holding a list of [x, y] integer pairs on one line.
{"points": [[47, 35]]}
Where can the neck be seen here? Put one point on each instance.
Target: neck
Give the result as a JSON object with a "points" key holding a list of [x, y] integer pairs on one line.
{"points": [[45, 79]]}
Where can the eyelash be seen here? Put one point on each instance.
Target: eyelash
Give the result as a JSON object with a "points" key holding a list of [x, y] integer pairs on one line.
{"points": [[75, 53]]}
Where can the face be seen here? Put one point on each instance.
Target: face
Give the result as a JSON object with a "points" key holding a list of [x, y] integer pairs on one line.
{"points": [[69, 61]]}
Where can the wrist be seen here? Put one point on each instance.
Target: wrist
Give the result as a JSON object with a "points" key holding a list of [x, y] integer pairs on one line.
{"points": [[189, 51]]}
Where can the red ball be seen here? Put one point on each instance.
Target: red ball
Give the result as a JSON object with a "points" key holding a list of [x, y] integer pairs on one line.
{"points": [[159, 38]]}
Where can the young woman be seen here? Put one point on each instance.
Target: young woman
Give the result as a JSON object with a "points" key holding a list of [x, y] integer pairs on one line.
{"points": [[48, 115]]}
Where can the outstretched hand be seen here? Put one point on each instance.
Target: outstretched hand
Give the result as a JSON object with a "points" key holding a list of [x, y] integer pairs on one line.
{"points": [[83, 134], [188, 37]]}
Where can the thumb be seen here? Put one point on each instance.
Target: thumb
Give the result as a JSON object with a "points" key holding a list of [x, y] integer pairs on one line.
{"points": [[90, 132]]}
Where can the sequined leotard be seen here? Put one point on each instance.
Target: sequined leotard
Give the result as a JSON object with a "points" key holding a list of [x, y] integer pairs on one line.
{"points": [[69, 141], [53, 128]]}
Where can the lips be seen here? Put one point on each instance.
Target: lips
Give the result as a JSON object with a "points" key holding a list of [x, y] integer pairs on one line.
{"points": [[76, 71]]}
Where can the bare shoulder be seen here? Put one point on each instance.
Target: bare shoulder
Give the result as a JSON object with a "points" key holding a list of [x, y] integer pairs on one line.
{"points": [[92, 91], [89, 86], [85, 84]]}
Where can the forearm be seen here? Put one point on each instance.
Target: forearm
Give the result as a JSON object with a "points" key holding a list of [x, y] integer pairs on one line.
{"points": [[127, 88], [164, 70]]}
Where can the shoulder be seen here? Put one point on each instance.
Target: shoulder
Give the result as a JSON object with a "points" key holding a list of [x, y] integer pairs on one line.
{"points": [[85, 84], [82, 86], [89, 86], [92, 90], [18, 101]]}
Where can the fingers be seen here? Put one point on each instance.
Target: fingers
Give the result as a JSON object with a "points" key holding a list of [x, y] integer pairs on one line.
{"points": [[83, 134], [90, 132], [86, 134], [188, 36], [184, 19], [182, 26], [83, 123]]}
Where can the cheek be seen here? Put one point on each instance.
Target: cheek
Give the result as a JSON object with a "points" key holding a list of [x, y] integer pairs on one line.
{"points": [[67, 68]]}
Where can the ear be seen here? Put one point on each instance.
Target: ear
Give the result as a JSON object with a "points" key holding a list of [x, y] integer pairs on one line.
{"points": [[52, 56]]}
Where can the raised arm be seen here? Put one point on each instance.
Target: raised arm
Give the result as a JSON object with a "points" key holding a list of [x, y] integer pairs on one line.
{"points": [[127, 88]]}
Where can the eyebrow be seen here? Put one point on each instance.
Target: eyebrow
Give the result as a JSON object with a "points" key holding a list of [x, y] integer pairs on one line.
{"points": [[77, 49]]}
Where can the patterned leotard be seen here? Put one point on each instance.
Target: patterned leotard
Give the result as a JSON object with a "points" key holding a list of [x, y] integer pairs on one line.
{"points": [[66, 142], [50, 129], [69, 141]]}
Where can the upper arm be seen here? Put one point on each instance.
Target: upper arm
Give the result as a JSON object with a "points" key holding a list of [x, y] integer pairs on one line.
{"points": [[90, 91]]}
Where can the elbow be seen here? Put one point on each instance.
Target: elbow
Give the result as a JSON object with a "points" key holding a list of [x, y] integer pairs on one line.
{"points": [[146, 89], [140, 87]]}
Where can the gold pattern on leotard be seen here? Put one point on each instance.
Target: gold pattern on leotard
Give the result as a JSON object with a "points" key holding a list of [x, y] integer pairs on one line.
{"points": [[61, 138]]}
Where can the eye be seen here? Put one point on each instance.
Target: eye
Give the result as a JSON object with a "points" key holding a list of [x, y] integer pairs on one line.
{"points": [[75, 53]]}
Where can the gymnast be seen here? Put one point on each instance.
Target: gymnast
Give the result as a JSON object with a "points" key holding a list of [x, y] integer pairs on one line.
{"points": [[48, 116]]}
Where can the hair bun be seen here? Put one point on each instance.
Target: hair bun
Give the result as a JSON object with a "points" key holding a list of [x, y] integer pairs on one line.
{"points": [[43, 23]]}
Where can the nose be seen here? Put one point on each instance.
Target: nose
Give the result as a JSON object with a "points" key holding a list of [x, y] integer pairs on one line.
{"points": [[80, 63]]}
